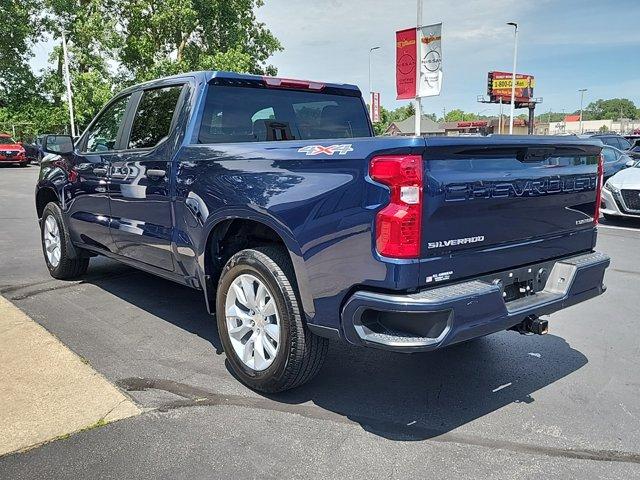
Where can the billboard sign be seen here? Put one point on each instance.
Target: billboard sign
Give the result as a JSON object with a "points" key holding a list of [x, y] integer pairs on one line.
{"points": [[499, 87], [375, 107]]}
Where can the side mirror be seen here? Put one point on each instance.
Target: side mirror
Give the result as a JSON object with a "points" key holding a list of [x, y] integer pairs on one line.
{"points": [[59, 144], [630, 163]]}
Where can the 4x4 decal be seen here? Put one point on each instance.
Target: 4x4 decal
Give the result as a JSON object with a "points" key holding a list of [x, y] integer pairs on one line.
{"points": [[330, 150]]}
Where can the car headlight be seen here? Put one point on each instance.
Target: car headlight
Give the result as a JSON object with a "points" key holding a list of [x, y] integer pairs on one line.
{"points": [[611, 188]]}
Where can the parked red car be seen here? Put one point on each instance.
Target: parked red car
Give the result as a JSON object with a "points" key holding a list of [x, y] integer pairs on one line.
{"points": [[11, 151]]}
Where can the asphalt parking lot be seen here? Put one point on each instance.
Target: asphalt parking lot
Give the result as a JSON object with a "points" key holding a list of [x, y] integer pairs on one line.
{"points": [[506, 406]]}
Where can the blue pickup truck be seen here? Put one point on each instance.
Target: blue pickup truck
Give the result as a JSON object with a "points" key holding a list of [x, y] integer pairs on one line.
{"points": [[274, 198]]}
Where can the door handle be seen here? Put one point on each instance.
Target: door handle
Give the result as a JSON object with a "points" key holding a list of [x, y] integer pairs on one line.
{"points": [[156, 173], [100, 171]]}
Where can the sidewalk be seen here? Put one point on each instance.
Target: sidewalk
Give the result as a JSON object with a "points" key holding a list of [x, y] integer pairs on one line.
{"points": [[46, 390]]}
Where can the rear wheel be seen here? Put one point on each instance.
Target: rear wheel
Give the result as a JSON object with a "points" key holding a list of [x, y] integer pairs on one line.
{"points": [[608, 216], [58, 251], [260, 322]]}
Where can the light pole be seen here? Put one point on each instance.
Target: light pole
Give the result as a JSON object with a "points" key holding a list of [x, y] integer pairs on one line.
{"points": [[417, 124], [513, 75], [67, 79], [371, 50], [582, 90]]}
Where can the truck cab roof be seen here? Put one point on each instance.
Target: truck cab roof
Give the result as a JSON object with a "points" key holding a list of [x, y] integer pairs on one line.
{"points": [[206, 76]]}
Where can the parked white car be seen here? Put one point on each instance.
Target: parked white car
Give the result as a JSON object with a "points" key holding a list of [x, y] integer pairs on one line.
{"points": [[621, 194]]}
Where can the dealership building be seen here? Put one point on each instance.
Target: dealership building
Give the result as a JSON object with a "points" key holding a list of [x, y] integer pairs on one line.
{"points": [[571, 126], [453, 129]]}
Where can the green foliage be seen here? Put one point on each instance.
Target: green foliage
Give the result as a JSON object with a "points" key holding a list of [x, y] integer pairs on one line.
{"points": [[114, 43], [612, 109], [551, 117], [458, 115], [163, 37], [21, 28], [598, 110]]}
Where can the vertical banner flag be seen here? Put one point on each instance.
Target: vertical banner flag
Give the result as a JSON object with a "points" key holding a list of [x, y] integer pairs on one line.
{"points": [[375, 107], [430, 60], [406, 51]]}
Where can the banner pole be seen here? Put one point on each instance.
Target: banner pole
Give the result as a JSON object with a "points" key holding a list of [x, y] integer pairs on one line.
{"points": [[418, 108]]}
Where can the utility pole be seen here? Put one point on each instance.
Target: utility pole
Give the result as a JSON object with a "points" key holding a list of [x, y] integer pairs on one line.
{"points": [[513, 75], [371, 84], [418, 118], [67, 79], [500, 119], [582, 90]]}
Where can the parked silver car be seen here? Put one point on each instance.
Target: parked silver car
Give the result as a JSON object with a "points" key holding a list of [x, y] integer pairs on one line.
{"points": [[621, 194]]}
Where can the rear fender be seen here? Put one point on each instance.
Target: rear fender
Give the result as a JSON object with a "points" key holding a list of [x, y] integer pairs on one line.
{"points": [[281, 230]]}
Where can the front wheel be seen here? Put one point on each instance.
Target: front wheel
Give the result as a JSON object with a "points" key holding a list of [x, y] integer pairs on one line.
{"points": [[260, 322], [57, 247]]}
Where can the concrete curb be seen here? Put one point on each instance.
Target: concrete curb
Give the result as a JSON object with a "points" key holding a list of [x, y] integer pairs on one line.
{"points": [[47, 391]]}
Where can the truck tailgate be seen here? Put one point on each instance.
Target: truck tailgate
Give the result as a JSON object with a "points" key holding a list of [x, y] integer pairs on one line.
{"points": [[489, 194]]}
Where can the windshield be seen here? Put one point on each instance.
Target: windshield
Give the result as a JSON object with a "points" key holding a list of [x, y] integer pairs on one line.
{"points": [[6, 141]]}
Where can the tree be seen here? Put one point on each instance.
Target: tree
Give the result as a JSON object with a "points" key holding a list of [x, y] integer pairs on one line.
{"points": [[113, 43], [458, 115], [21, 28], [163, 37], [612, 109]]}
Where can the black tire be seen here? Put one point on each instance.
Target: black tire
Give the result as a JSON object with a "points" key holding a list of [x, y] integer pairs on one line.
{"points": [[608, 217], [72, 262], [301, 353], [23, 164]]}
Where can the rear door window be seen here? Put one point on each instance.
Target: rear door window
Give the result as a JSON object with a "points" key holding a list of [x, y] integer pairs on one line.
{"points": [[247, 114], [154, 116]]}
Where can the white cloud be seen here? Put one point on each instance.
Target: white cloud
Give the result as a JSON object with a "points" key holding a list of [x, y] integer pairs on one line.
{"points": [[329, 40]]}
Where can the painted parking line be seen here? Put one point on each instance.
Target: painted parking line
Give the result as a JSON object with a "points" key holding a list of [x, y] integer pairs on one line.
{"points": [[612, 227], [47, 390]]}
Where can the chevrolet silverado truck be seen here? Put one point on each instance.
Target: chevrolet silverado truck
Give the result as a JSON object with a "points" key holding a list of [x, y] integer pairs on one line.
{"points": [[273, 197]]}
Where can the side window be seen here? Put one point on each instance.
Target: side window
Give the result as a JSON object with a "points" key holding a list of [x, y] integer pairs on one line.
{"points": [[103, 134], [609, 155], [152, 122], [624, 144]]}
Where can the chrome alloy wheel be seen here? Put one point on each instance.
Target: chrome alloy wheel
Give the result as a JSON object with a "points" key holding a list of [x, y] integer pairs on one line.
{"points": [[52, 241], [253, 323]]}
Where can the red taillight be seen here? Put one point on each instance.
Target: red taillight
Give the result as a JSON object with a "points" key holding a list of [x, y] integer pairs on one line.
{"points": [[292, 83], [398, 225], [599, 185]]}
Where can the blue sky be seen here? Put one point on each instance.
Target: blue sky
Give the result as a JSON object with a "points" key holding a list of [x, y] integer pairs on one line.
{"points": [[566, 45]]}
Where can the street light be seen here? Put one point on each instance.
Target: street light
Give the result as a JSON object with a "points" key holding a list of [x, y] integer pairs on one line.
{"points": [[513, 75], [582, 90], [371, 50], [67, 80]]}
